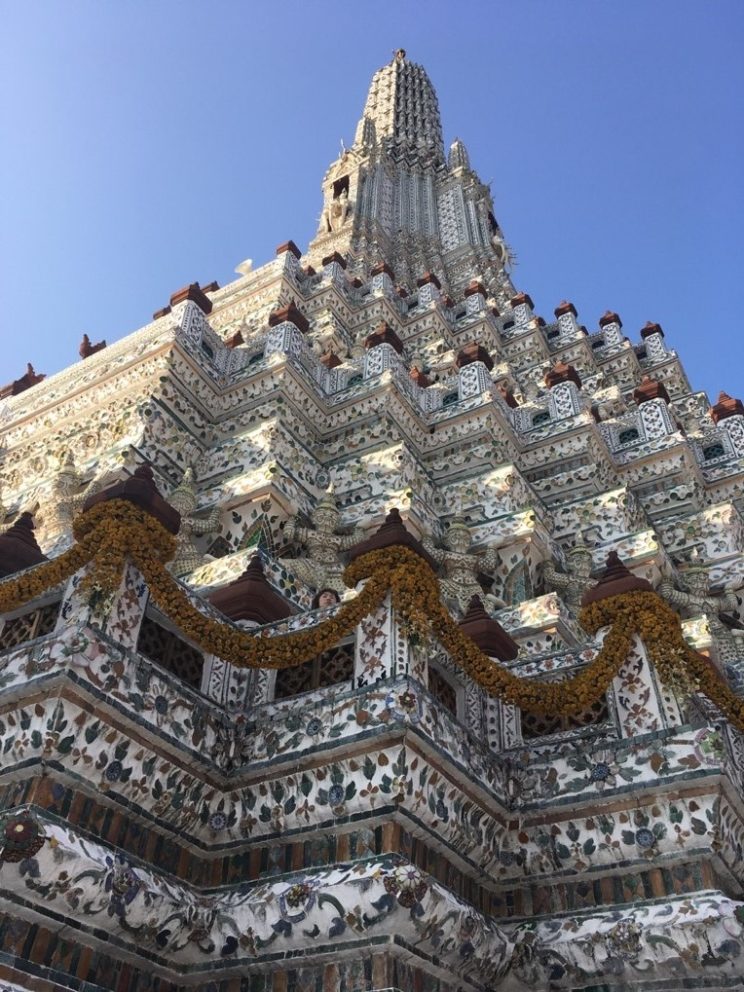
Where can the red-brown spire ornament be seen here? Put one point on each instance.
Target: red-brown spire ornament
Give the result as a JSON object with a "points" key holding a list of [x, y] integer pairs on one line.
{"points": [[615, 580], [650, 389], [487, 633], [251, 597], [561, 372], [18, 547], [141, 490], [383, 334], [392, 531], [726, 406]]}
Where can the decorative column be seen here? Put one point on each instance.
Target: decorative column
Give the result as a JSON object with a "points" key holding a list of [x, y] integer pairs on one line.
{"points": [[334, 266], [502, 724], [249, 601], [429, 288], [653, 338], [288, 325], [728, 413], [474, 365], [475, 298], [611, 327], [290, 255], [565, 314], [382, 646], [564, 384], [652, 399], [382, 280], [119, 614], [383, 348], [522, 309], [643, 703]]}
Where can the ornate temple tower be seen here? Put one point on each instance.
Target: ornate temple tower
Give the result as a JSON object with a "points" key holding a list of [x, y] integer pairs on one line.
{"points": [[362, 630], [395, 197]]}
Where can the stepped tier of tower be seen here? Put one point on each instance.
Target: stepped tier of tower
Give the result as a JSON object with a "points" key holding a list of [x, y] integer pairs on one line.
{"points": [[533, 432]]}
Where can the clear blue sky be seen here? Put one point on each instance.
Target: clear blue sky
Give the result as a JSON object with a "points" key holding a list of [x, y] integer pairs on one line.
{"points": [[150, 144]]}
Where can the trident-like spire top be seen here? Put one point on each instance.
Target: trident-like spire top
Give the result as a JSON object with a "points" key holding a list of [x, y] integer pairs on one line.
{"points": [[402, 112]]}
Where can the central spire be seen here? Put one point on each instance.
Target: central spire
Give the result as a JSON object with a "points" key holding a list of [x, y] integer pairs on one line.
{"points": [[402, 112], [394, 198]]}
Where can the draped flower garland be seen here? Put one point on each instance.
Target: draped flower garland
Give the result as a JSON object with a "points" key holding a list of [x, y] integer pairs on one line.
{"points": [[111, 531]]}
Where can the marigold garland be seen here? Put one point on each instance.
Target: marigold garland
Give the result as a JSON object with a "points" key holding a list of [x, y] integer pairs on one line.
{"points": [[30, 584], [112, 530]]}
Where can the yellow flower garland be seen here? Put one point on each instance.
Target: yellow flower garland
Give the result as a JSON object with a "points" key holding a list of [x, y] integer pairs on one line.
{"points": [[112, 531]]}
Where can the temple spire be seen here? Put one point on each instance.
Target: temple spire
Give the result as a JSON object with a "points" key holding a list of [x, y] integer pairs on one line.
{"points": [[402, 113], [393, 197]]}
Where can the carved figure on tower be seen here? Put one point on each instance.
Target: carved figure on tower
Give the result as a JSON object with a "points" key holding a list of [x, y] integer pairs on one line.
{"points": [[572, 585], [66, 498], [337, 211], [321, 567], [718, 609], [184, 499], [461, 568]]}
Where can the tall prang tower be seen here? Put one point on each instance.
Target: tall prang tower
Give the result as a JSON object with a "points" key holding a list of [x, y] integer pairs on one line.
{"points": [[395, 197], [362, 630]]}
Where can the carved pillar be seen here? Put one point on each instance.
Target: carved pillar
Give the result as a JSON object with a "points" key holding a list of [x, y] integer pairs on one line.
{"points": [[564, 384], [652, 399], [653, 338], [382, 280], [522, 309], [284, 338], [379, 359], [377, 637], [475, 298], [502, 722], [472, 380], [334, 266], [474, 365], [290, 255], [429, 289], [250, 601], [503, 725], [728, 413], [644, 704], [118, 615], [564, 401], [611, 327], [235, 688], [565, 314]]}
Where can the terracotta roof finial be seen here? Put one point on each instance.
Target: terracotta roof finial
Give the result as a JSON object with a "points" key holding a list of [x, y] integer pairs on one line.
{"points": [[392, 531], [614, 580], [141, 490], [18, 546], [487, 633], [251, 597]]}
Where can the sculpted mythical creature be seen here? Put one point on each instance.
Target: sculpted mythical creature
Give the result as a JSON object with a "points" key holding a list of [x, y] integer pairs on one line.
{"points": [[337, 211], [718, 609], [321, 567], [461, 567], [66, 499], [572, 584], [184, 499]]}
